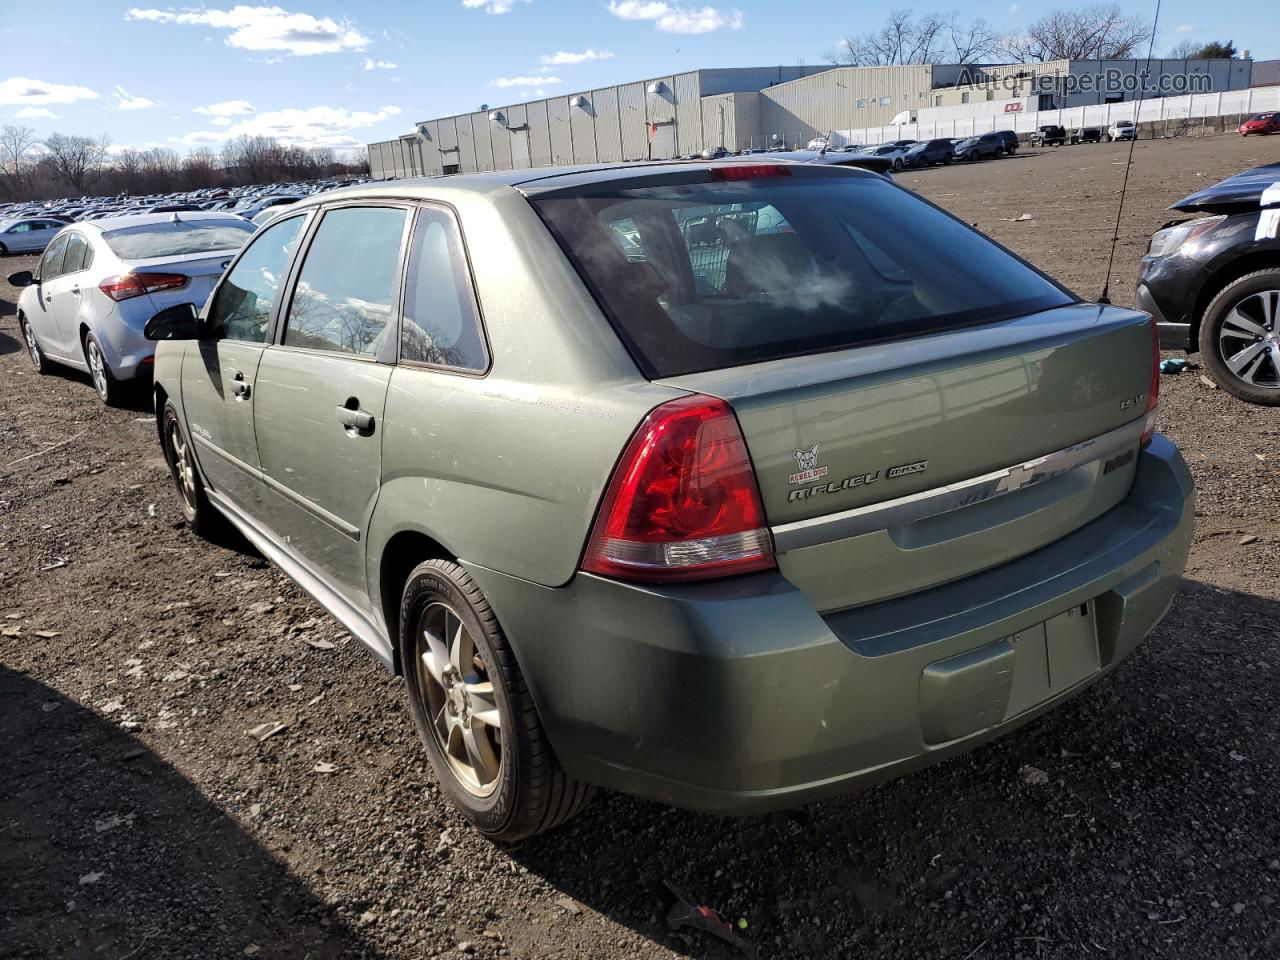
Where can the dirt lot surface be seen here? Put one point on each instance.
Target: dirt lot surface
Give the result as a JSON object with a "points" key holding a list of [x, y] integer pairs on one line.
{"points": [[137, 820]]}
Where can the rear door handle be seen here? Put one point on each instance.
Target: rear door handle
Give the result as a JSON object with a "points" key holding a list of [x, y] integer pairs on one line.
{"points": [[239, 386], [353, 419]]}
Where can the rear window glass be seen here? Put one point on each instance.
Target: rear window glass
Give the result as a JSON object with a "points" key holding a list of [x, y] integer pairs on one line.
{"points": [[704, 276], [169, 239]]}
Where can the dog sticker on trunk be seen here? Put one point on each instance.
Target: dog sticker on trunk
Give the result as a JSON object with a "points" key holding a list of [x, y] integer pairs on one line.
{"points": [[807, 461]]}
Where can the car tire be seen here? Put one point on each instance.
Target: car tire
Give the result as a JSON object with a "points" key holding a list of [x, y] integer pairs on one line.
{"points": [[38, 359], [504, 778], [1244, 361], [999, 152], [897, 164], [946, 161], [4, 251], [202, 516], [110, 390]]}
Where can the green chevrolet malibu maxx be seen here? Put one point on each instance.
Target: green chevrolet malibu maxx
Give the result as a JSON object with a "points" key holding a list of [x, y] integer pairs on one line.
{"points": [[732, 485]]}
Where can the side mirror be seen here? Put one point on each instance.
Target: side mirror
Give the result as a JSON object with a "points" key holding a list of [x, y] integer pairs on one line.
{"points": [[179, 322], [22, 278]]}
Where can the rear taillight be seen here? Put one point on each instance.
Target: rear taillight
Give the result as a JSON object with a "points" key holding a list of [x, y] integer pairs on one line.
{"points": [[683, 503], [127, 285], [1153, 390]]}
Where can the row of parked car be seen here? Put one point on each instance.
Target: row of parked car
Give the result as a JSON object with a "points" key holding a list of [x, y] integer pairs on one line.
{"points": [[28, 227]]}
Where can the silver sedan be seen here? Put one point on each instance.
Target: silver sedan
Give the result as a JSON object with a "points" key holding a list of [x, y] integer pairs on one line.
{"points": [[28, 234], [99, 282]]}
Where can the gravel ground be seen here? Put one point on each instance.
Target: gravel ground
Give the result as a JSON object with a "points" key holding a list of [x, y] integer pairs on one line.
{"points": [[137, 819]]}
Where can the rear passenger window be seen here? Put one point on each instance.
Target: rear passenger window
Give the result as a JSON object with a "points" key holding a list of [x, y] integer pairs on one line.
{"points": [[51, 262], [346, 290], [77, 251], [441, 325]]}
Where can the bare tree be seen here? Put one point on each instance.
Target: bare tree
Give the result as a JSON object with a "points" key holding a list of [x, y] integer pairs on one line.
{"points": [[1101, 32], [17, 155], [974, 42], [200, 168], [1196, 50], [78, 160], [907, 39]]}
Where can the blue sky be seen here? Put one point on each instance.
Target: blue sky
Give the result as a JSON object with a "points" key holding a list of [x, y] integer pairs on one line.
{"points": [[317, 72]]}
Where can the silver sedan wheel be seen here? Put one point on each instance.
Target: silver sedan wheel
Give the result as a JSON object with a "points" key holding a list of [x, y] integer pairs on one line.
{"points": [[454, 678], [183, 468], [1249, 340], [98, 368]]}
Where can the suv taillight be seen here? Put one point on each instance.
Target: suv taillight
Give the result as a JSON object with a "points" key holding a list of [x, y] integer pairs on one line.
{"points": [[1153, 391], [128, 285], [683, 503]]}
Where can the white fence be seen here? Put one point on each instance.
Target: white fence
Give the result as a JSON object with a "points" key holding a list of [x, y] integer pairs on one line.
{"points": [[1161, 109]]}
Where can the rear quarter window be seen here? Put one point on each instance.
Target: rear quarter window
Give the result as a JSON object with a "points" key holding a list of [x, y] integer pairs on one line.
{"points": [[709, 275]]}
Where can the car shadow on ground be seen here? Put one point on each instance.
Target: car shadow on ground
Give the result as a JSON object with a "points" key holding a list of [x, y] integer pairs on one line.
{"points": [[139, 862], [1147, 800]]}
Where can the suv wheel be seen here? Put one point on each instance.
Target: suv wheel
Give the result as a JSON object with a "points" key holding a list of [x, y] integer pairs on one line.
{"points": [[201, 515], [104, 381], [999, 152], [1240, 337], [474, 712], [33, 347]]}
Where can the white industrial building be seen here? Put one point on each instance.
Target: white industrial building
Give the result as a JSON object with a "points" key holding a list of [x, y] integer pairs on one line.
{"points": [[683, 114]]}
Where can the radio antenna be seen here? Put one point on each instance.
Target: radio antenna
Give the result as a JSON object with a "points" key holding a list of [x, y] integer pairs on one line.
{"points": [[1137, 113]]}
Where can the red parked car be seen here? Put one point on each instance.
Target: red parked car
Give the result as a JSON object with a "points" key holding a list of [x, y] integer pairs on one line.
{"points": [[1261, 123]]}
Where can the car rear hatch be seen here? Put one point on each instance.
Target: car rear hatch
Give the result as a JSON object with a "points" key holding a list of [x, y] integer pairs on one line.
{"points": [[892, 468], [917, 404]]}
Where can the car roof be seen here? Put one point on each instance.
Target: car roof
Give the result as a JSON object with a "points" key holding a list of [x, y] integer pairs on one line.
{"points": [[542, 179]]}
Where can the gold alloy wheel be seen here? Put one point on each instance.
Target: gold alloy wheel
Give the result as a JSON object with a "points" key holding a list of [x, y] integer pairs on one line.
{"points": [[462, 710]]}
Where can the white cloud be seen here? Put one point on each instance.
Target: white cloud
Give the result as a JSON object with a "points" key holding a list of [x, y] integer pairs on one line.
{"points": [[20, 91], [371, 64], [505, 82], [1185, 28], [221, 121], [266, 28], [564, 58], [492, 6], [674, 18], [35, 113], [227, 108], [126, 102], [311, 127]]}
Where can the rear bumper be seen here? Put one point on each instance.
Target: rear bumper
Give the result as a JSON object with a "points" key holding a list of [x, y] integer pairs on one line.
{"points": [[738, 697]]}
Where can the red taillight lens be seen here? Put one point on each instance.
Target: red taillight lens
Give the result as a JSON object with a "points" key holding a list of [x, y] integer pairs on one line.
{"points": [[1153, 391], [128, 285], [683, 502], [749, 171]]}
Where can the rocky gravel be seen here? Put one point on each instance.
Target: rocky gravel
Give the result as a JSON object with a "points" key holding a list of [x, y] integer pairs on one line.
{"points": [[140, 819]]}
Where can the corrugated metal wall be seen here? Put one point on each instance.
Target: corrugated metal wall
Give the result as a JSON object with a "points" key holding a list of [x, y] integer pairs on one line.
{"points": [[840, 98], [480, 138], [561, 130], [582, 125], [539, 134], [632, 119], [501, 137], [688, 114], [608, 125]]}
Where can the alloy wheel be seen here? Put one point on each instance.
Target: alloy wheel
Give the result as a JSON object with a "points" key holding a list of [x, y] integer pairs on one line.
{"points": [[183, 467], [453, 675], [98, 368], [32, 346], [1249, 340]]}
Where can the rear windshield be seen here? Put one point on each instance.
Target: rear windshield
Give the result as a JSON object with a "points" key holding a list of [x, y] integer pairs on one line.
{"points": [[703, 276], [171, 239]]}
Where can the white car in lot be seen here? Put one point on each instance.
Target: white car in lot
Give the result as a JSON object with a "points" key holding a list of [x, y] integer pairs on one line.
{"points": [[28, 234], [99, 282], [1122, 130]]}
